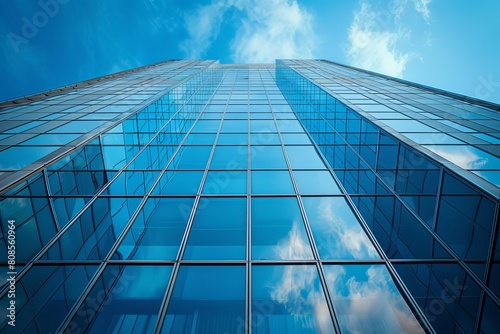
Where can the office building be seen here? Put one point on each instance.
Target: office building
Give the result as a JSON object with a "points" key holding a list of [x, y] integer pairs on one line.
{"points": [[300, 197]]}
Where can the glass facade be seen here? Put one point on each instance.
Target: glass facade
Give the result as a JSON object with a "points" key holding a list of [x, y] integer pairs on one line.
{"points": [[301, 197]]}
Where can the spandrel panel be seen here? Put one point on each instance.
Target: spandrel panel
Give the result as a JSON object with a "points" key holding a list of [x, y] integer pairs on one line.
{"points": [[125, 299], [288, 299], [218, 231], [157, 231], [366, 300], [278, 230], [336, 230], [207, 299]]}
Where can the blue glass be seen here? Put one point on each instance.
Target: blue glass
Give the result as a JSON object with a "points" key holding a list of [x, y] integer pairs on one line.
{"points": [[95, 231], [289, 125], [264, 138], [272, 182], [302, 157], [234, 126], [316, 182], [232, 139], [278, 231], [44, 296], [336, 230], [230, 158], [200, 139], [157, 231], [191, 157], [267, 157], [445, 293], [206, 126], [178, 182], [433, 138], [366, 300], [466, 156], [66, 208], [207, 299], [218, 231], [262, 126], [18, 157], [408, 125], [288, 299], [132, 183], [125, 299], [225, 182], [295, 139]]}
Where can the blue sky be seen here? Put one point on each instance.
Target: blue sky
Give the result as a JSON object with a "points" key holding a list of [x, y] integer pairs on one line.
{"points": [[452, 45]]}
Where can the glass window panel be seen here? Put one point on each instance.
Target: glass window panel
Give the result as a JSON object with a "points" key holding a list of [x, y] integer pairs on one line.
{"points": [[264, 138], [278, 231], [18, 157], [336, 230], [366, 300], [288, 299], [93, 234], [262, 126], [272, 182], [408, 125], [207, 299], [316, 182], [267, 157], [295, 138], [178, 182], [206, 126], [191, 157], [289, 125], [230, 158], [125, 299], [157, 231], [232, 139], [200, 139], [235, 126], [466, 156], [45, 295], [225, 182], [218, 231], [302, 157], [132, 183], [433, 138]]}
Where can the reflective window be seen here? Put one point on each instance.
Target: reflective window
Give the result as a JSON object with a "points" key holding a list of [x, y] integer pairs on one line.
{"points": [[230, 158], [218, 231], [95, 231], [45, 295], [302, 157], [316, 182], [207, 299], [366, 300], [225, 182], [336, 230], [191, 157], [288, 299], [178, 182], [132, 183], [157, 231], [271, 182], [267, 157], [125, 299], [278, 230]]}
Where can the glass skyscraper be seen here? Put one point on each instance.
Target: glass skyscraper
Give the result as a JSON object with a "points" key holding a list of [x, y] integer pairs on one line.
{"points": [[301, 197]]}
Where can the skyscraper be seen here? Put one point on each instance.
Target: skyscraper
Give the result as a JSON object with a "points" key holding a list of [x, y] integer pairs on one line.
{"points": [[195, 197]]}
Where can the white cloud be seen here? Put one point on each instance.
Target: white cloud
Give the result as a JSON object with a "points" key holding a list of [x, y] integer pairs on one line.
{"points": [[373, 45], [274, 29], [203, 28], [267, 30], [422, 6]]}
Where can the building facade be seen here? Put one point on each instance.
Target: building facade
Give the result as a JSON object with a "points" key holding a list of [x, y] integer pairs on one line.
{"points": [[301, 197]]}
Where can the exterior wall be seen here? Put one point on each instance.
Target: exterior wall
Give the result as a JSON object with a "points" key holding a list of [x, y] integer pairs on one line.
{"points": [[239, 198]]}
